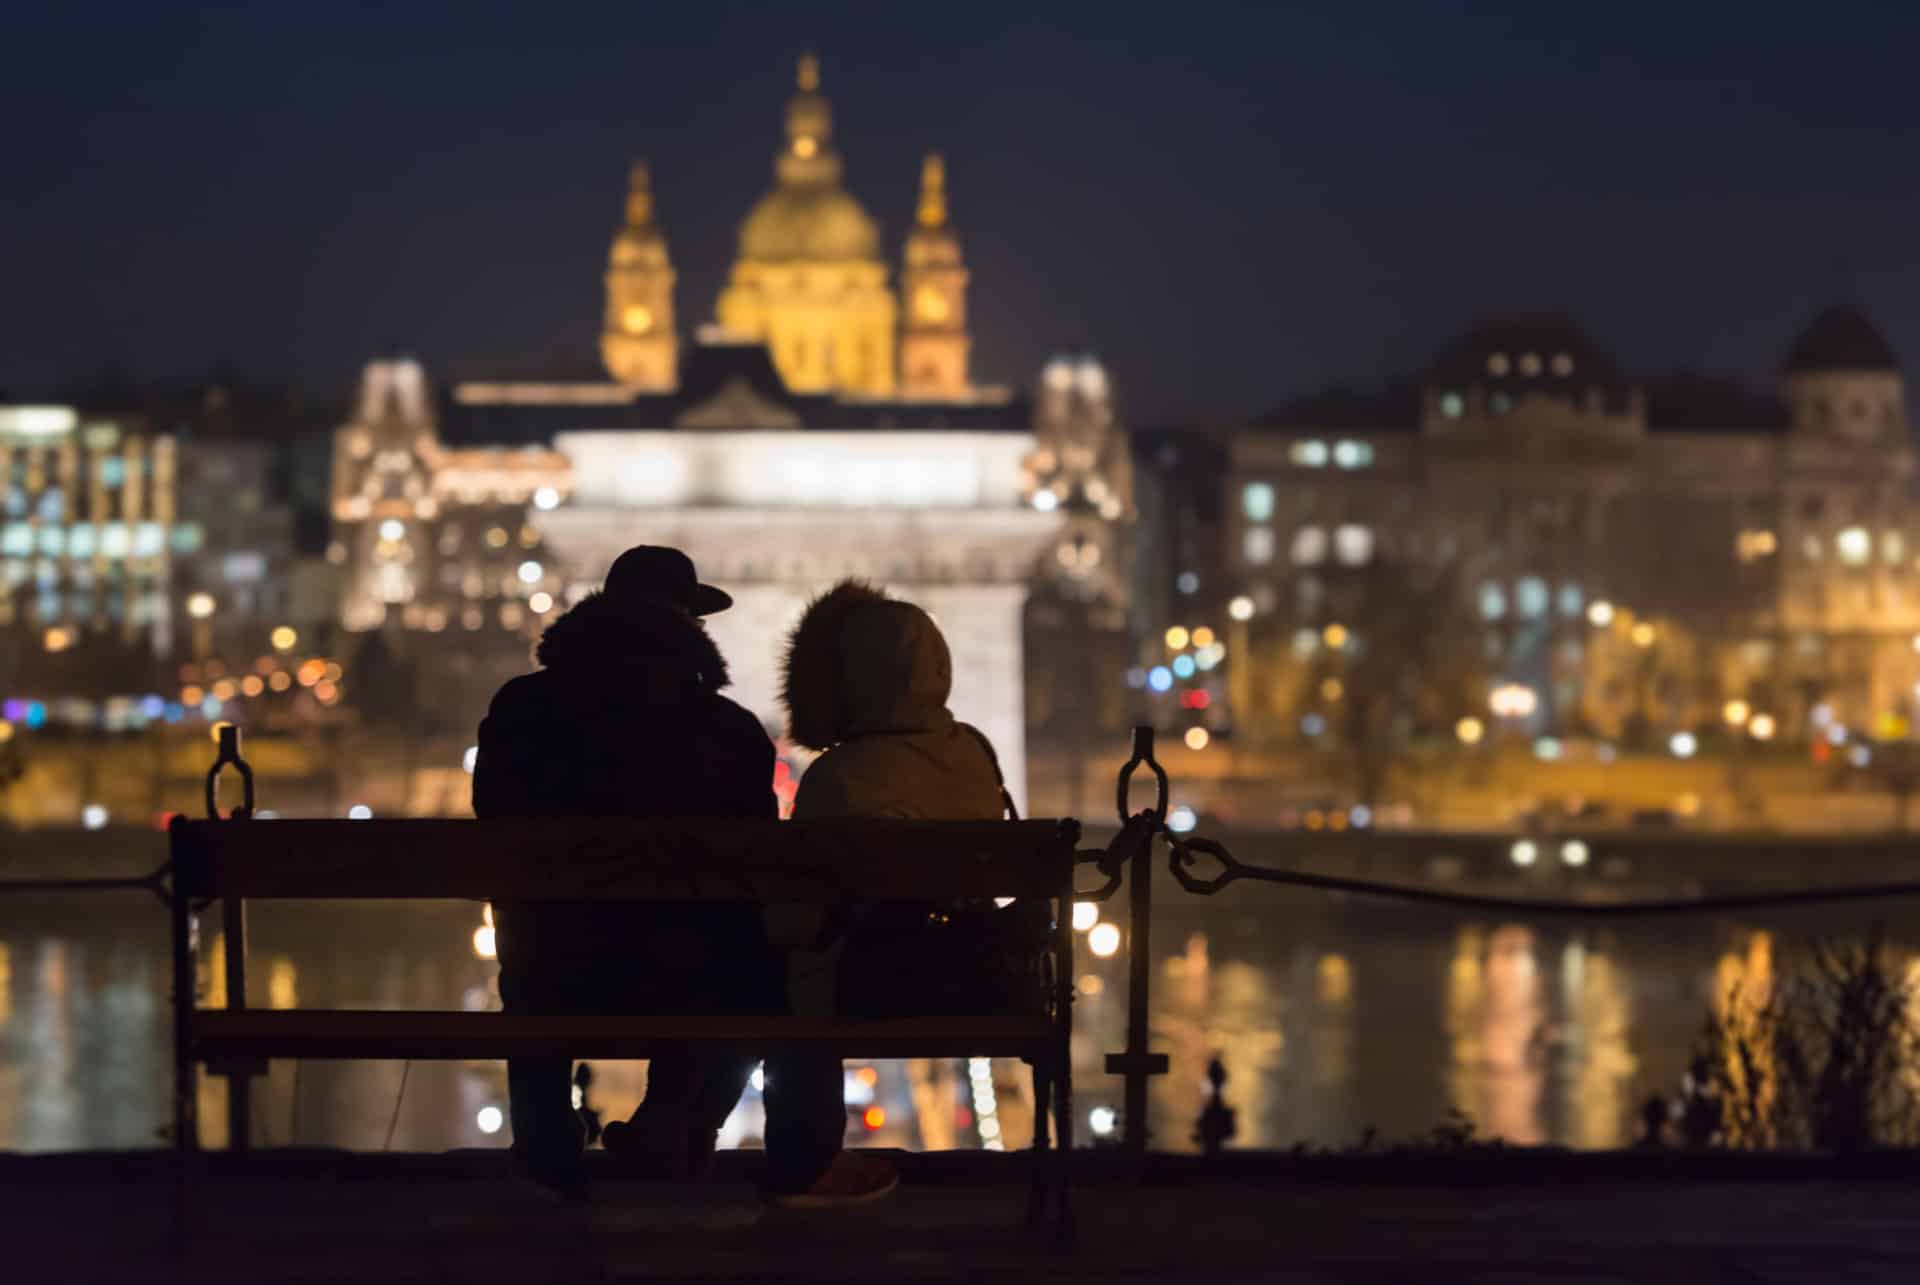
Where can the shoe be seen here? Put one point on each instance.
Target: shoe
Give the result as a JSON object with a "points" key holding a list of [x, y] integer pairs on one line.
{"points": [[854, 1178], [668, 1153]]}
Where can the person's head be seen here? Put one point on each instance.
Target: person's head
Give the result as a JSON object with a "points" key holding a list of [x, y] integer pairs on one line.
{"points": [[653, 574], [860, 662]]}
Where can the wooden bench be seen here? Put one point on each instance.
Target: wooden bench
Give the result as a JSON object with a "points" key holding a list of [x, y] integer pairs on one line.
{"points": [[233, 861]]}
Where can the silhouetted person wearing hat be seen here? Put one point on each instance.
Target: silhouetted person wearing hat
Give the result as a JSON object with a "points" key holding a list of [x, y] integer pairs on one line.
{"points": [[625, 719]]}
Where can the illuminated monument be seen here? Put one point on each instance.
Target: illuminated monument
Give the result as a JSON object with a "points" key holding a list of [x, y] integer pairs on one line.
{"points": [[818, 430]]}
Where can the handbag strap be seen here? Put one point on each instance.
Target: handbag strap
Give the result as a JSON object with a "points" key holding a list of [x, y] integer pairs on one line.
{"points": [[999, 778]]}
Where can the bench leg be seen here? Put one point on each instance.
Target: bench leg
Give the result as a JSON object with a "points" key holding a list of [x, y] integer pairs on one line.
{"points": [[1042, 1097], [1066, 1232]]}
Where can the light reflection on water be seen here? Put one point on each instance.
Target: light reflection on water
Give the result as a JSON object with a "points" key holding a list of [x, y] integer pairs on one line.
{"points": [[1331, 1022]]}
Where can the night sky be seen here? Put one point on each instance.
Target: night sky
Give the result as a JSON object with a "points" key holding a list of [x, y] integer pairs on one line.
{"points": [[1230, 205]]}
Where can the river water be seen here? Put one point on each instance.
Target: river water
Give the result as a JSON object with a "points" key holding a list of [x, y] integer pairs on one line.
{"points": [[1332, 1020]]}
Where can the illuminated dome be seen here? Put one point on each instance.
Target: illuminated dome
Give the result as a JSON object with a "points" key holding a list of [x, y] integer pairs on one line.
{"points": [[809, 221], [1840, 339]]}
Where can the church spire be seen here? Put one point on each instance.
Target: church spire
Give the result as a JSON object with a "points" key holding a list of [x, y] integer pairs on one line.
{"points": [[809, 157], [935, 345], [637, 340]]}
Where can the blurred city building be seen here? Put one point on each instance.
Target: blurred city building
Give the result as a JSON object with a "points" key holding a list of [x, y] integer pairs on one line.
{"points": [[1545, 547]]}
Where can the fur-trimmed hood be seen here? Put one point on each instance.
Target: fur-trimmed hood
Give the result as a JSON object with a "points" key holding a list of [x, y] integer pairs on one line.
{"points": [[860, 662], [598, 633]]}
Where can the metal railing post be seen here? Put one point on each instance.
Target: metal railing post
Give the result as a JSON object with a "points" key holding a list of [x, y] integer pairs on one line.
{"points": [[1137, 1063], [233, 923]]}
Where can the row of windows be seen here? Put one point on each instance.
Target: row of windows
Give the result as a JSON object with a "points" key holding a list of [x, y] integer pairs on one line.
{"points": [[1314, 453], [1531, 599], [1351, 545], [107, 539]]}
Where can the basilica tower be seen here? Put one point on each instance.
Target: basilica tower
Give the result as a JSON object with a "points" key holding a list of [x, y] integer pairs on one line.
{"points": [[809, 281], [637, 341], [933, 282]]}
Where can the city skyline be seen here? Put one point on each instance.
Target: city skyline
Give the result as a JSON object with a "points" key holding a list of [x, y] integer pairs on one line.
{"points": [[1210, 228]]}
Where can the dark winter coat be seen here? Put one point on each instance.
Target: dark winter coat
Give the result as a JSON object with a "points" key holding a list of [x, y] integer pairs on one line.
{"points": [[624, 719]]}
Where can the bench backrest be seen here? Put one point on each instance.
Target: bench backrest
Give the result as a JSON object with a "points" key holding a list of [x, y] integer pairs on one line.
{"points": [[688, 859]]}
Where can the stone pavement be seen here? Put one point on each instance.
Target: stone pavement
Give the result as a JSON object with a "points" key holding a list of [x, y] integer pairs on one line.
{"points": [[315, 1217]]}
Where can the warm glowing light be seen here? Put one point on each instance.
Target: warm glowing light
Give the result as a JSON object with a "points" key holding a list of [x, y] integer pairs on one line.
{"points": [[192, 695], [805, 147], [252, 685], [326, 692], [1600, 613], [58, 638], [546, 498], [1203, 637], [93, 816], [1102, 1121], [1177, 638], [1574, 853], [530, 573], [490, 1119], [483, 943], [540, 603], [200, 605], [214, 730], [1241, 608], [1736, 712], [1181, 819], [1334, 636], [279, 680], [6, 731], [1045, 500], [1524, 852], [392, 529], [1469, 730], [496, 537], [874, 1117], [1683, 744], [284, 638], [1104, 940], [224, 690], [1762, 727], [1513, 700], [1642, 634], [1085, 915], [1332, 689], [637, 319], [312, 671], [867, 1076], [1197, 738]]}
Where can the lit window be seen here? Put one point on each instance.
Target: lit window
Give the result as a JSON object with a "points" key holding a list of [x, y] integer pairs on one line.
{"points": [[1452, 405], [1353, 454], [1353, 544], [1497, 364], [1493, 601], [80, 541], [1530, 364], [52, 540], [17, 540], [1256, 501], [1257, 545], [1530, 597], [1309, 546], [149, 540], [1854, 545], [1893, 546], [187, 538], [1309, 454], [114, 540], [1562, 364], [1571, 600], [244, 568]]}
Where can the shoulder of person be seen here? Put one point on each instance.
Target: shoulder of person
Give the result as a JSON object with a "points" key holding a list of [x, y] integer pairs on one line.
{"points": [[522, 696]]}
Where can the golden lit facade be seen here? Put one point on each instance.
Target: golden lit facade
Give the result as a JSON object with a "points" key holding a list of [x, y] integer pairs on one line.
{"points": [[431, 538], [809, 281], [637, 341], [934, 343]]}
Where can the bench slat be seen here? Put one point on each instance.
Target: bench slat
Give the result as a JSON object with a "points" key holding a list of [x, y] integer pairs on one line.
{"points": [[424, 1036], [624, 859]]}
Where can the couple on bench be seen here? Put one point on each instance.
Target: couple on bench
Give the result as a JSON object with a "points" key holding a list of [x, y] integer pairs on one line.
{"points": [[625, 719]]}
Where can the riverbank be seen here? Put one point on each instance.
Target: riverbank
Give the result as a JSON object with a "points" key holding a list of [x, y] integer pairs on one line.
{"points": [[1475, 1215]]}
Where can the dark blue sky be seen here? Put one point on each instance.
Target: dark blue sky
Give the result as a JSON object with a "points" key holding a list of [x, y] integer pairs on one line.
{"points": [[1230, 204]]}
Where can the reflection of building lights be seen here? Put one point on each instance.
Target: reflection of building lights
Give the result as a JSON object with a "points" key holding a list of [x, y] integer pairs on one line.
{"points": [[1524, 852], [284, 638], [1761, 727], [252, 685], [1469, 730], [489, 1119], [1102, 1120], [93, 816], [1600, 613], [1642, 634], [1332, 689], [1203, 637], [1241, 608], [1513, 700], [58, 639], [1177, 638], [1574, 852], [1683, 744], [1104, 940], [224, 690], [279, 680], [1197, 738], [1736, 712], [1181, 819], [1334, 636], [359, 812], [1085, 915]]}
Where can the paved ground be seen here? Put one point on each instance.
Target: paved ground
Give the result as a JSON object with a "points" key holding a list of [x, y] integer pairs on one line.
{"points": [[319, 1218]]}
